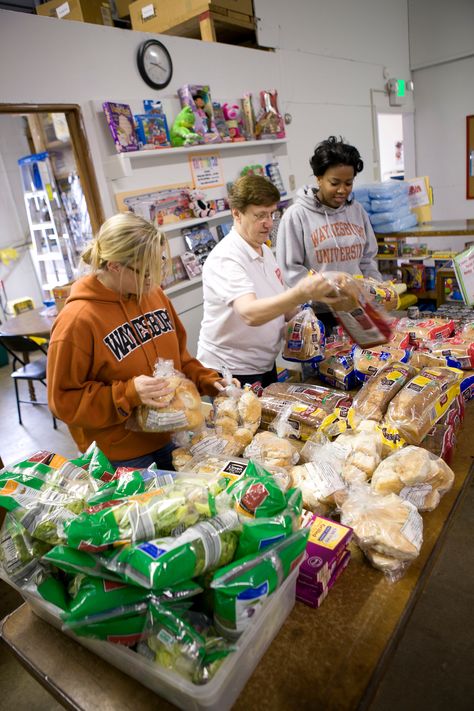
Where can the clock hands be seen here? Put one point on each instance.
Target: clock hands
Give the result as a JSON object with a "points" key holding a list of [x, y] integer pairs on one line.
{"points": [[157, 64]]}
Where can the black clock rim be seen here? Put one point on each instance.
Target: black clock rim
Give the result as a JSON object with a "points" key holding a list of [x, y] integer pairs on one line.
{"points": [[141, 64]]}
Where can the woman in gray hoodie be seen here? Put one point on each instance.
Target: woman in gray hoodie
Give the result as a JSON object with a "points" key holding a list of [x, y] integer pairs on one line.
{"points": [[324, 230]]}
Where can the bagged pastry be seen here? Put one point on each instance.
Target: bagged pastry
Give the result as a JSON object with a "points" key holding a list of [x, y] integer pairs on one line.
{"points": [[382, 293], [320, 480], [387, 528], [236, 414], [304, 340], [271, 450], [206, 442], [372, 400], [416, 475], [423, 401], [181, 408], [361, 450]]}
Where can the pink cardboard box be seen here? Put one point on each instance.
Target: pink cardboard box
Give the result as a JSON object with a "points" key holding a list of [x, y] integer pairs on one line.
{"points": [[327, 539]]}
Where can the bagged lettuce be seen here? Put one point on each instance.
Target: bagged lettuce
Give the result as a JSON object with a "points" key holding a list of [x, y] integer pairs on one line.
{"points": [[94, 461], [122, 630], [19, 552], [164, 562], [184, 642], [142, 517], [241, 588], [73, 561]]}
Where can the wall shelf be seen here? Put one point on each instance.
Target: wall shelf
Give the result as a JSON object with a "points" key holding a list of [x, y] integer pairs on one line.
{"points": [[183, 285], [122, 165], [183, 224]]}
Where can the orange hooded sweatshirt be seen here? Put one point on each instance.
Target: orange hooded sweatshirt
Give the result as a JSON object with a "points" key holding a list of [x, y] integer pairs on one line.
{"points": [[99, 342]]}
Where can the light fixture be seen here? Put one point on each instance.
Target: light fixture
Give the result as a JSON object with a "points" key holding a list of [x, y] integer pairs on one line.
{"points": [[397, 90]]}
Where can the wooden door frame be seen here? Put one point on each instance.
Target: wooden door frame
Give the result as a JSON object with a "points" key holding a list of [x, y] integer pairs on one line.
{"points": [[80, 145]]}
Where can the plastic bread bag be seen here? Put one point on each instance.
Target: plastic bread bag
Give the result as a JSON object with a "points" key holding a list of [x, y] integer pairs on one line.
{"points": [[386, 526], [320, 479], [228, 470], [164, 562], [373, 399], [241, 588], [236, 413], [271, 450], [184, 642], [416, 475], [457, 352], [205, 443], [381, 293], [181, 409], [368, 361], [160, 512], [423, 401], [19, 552], [338, 371], [364, 322], [361, 450], [305, 337], [423, 329]]}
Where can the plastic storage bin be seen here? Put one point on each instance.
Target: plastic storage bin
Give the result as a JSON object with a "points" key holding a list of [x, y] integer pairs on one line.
{"points": [[221, 692]]}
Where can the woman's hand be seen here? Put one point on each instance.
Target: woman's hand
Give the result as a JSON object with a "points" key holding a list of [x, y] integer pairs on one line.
{"points": [[154, 392], [348, 290], [315, 288], [222, 384]]}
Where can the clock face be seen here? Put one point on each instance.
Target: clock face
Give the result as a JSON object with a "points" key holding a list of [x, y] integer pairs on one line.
{"points": [[154, 64]]}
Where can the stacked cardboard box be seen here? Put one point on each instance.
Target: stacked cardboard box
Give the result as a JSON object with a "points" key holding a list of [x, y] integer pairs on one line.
{"points": [[327, 555], [96, 11]]}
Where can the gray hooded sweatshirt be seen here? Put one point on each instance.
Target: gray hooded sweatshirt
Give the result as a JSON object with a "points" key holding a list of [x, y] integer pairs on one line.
{"points": [[314, 236]]}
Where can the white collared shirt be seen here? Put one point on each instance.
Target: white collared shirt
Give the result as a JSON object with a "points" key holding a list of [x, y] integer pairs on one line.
{"points": [[233, 269]]}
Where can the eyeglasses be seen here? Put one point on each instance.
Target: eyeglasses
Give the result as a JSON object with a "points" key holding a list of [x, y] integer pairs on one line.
{"points": [[265, 216], [137, 271]]}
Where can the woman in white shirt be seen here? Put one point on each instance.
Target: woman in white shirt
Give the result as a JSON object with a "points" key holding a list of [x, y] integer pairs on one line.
{"points": [[245, 300]]}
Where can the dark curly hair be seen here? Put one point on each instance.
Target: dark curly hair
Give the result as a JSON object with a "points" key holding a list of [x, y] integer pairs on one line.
{"points": [[334, 151]]}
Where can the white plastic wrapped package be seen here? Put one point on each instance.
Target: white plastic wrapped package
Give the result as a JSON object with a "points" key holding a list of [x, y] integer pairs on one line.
{"points": [[416, 475], [402, 223], [271, 450], [362, 451], [387, 190], [388, 528], [378, 218], [320, 480]]}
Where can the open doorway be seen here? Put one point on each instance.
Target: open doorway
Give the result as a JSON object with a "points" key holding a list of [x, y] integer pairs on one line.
{"points": [[49, 199], [391, 146]]}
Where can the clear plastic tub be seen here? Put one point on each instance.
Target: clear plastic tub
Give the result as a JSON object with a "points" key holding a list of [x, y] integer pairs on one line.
{"points": [[222, 691]]}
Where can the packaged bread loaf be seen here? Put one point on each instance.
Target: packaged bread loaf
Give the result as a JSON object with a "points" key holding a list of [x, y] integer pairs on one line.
{"points": [[422, 401], [416, 475], [338, 371], [372, 400], [368, 361], [206, 442], [426, 329], [311, 404], [181, 408], [457, 352], [386, 526], [382, 293], [320, 480], [304, 340]]}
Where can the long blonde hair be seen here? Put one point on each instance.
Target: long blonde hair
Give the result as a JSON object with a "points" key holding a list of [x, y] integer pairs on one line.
{"points": [[132, 241]]}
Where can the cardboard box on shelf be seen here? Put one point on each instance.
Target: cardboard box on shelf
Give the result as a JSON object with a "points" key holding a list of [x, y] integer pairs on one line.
{"points": [[97, 12], [160, 16], [60, 294], [121, 8]]}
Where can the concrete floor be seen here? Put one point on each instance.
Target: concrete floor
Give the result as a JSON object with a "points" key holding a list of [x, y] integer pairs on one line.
{"points": [[432, 668]]}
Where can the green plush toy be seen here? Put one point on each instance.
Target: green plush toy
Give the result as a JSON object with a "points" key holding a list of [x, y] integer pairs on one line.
{"points": [[182, 133]]}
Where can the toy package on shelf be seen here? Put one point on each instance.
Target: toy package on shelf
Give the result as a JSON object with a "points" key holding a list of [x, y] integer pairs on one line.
{"points": [[254, 169], [219, 120], [270, 123], [182, 132], [198, 98], [121, 125], [233, 119], [223, 229], [273, 172], [191, 264], [161, 206], [152, 130], [248, 117], [199, 240], [175, 273]]}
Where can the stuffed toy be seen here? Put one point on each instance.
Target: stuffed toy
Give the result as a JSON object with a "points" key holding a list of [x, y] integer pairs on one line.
{"points": [[199, 205], [182, 131]]}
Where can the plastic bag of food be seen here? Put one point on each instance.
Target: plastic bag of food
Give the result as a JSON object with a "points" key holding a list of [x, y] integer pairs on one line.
{"points": [[236, 413], [337, 370], [457, 352], [305, 337], [257, 494], [271, 450], [388, 528], [426, 329], [125, 629], [73, 561], [368, 361], [96, 463], [19, 552], [162, 563], [241, 588], [382, 293], [260, 533], [416, 475], [361, 450], [141, 517], [184, 642], [320, 479], [180, 410], [423, 401], [227, 471], [373, 399]]}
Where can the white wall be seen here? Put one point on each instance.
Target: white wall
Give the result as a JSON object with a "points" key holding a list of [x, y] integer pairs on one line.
{"points": [[442, 56], [19, 275]]}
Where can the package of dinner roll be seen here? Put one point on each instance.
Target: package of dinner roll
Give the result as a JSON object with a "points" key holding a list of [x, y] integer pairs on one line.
{"points": [[387, 528], [272, 450], [236, 414], [180, 409], [415, 475], [305, 337]]}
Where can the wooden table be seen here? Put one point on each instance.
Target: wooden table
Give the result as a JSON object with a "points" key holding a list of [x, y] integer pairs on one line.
{"points": [[332, 658], [28, 323]]}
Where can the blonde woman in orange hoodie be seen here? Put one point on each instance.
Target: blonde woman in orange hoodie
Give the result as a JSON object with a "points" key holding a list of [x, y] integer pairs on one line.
{"points": [[104, 344]]}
